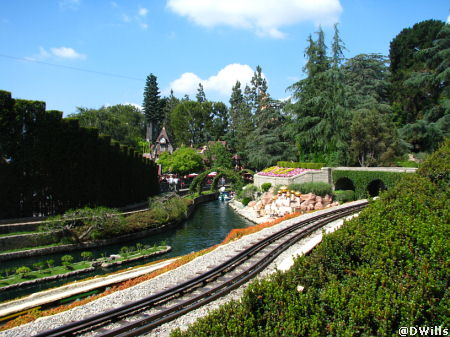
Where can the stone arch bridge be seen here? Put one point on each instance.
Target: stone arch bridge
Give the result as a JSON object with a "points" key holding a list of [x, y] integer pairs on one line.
{"points": [[364, 181]]}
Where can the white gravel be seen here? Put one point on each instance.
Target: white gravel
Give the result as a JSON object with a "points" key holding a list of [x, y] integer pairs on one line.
{"points": [[181, 274]]}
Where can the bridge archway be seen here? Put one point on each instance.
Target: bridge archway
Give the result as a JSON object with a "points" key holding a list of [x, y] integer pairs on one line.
{"points": [[375, 187], [344, 183], [197, 183]]}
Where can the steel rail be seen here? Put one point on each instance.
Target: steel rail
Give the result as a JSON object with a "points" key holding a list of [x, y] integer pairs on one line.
{"points": [[146, 303]]}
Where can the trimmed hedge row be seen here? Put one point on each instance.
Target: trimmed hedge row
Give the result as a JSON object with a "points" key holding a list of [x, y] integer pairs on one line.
{"points": [[386, 269], [312, 166], [49, 165], [361, 179]]}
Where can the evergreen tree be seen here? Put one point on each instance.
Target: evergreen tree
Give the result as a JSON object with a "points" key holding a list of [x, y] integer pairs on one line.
{"points": [[201, 97], [320, 112], [153, 109], [240, 124]]}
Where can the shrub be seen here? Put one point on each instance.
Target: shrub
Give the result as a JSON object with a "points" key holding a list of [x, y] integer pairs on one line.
{"points": [[344, 195], [67, 260], [50, 263], [266, 186], [437, 166], [39, 265], [321, 189], [248, 191], [87, 256], [23, 271], [384, 269], [245, 201]]}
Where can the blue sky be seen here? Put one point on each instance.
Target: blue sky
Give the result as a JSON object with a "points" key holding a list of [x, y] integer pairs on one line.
{"points": [[44, 44]]}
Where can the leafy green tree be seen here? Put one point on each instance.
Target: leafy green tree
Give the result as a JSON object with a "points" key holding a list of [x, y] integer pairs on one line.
{"points": [[219, 156], [182, 161], [374, 139], [153, 106], [87, 256], [267, 143], [169, 103], [124, 123], [188, 121], [67, 260], [410, 95], [23, 271], [218, 121], [431, 82]]}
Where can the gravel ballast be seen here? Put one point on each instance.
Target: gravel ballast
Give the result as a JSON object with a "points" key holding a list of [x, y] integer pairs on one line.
{"points": [[179, 275]]}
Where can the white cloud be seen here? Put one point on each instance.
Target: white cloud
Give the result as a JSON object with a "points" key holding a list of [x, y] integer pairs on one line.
{"points": [[448, 19], [61, 52], [143, 11], [221, 83], [264, 17], [143, 25], [69, 4], [67, 53]]}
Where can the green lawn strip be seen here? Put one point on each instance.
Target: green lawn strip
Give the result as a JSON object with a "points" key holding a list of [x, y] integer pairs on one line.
{"points": [[36, 274]]}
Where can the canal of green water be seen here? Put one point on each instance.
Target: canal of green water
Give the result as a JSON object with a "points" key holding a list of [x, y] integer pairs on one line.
{"points": [[209, 225]]}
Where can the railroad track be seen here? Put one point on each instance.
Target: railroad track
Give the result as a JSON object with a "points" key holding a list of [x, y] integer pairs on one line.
{"points": [[139, 317]]}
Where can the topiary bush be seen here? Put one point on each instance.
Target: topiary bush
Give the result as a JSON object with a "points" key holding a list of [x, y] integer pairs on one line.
{"points": [[245, 201], [437, 166], [344, 195], [265, 187]]}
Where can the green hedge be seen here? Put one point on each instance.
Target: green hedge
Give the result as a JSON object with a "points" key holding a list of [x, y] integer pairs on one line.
{"points": [[361, 179], [344, 195], [313, 166], [318, 188], [386, 269], [49, 164]]}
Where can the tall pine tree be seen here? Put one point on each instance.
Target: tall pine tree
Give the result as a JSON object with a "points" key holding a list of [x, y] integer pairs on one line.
{"points": [[153, 107]]}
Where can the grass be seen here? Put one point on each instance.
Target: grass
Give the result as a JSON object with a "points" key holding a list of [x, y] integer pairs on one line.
{"points": [[19, 233], [36, 274], [31, 248]]}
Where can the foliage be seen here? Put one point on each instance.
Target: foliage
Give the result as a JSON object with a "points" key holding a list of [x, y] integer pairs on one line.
{"points": [[197, 184], [421, 83], [162, 210], [386, 269], [88, 223], [153, 106], [265, 187], [245, 201], [344, 195], [313, 166], [437, 166], [67, 259], [54, 165], [182, 161], [374, 140], [247, 192], [87, 256], [124, 123], [23, 271], [362, 179], [219, 156], [241, 123], [318, 188]]}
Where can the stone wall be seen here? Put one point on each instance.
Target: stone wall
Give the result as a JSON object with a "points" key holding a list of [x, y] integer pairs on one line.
{"points": [[322, 175], [28, 240]]}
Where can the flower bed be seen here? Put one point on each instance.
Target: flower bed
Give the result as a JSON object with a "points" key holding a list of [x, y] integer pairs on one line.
{"points": [[277, 171]]}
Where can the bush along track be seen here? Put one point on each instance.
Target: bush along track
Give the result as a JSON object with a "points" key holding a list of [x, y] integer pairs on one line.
{"points": [[386, 269]]}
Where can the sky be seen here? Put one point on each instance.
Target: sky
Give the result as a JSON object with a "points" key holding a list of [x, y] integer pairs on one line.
{"points": [[93, 53]]}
